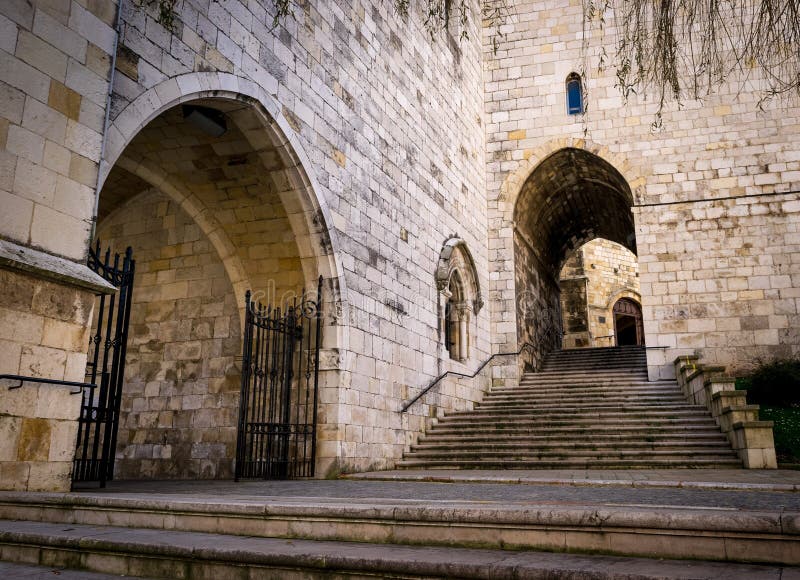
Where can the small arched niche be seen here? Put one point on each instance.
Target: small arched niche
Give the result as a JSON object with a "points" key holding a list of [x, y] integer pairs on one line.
{"points": [[459, 298]]}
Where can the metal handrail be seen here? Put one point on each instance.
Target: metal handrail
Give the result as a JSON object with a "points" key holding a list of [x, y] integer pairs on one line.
{"points": [[463, 375], [24, 379]]}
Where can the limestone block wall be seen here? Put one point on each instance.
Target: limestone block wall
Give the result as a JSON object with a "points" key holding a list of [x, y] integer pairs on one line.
{"points": [[181, 391], [592, 280], [534, 312], [574, 308], [43, 333], [391, 124], [713, 187], [723, 278], [55, 63], [613, 273]]}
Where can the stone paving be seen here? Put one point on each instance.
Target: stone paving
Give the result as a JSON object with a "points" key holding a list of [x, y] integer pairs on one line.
{"points": [[30, 572], [737, 479], [485, 494]]}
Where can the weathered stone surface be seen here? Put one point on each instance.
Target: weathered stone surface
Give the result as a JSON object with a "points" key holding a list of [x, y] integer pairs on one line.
{"points": [[354, 146], [34, 440]]}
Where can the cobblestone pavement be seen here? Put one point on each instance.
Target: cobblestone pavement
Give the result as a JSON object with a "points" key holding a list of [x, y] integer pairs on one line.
{"points": [[486, 494]]}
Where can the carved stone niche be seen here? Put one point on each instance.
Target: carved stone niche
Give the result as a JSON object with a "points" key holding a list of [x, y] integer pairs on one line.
{"points": [[460, 296]]}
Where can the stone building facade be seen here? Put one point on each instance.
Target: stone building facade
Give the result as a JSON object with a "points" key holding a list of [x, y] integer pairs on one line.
{"points": [[355, 147], [593, 281]]}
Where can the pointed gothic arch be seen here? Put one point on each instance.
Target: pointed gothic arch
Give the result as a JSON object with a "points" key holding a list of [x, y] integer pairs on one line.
{"points": [[460, 297]]}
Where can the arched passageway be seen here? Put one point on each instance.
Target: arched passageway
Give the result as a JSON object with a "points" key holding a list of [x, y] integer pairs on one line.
{"points": [[571, 198], [213, 204]]}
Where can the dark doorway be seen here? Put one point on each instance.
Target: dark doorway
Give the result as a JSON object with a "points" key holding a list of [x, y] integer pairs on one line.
{"points": [[628, 327]]}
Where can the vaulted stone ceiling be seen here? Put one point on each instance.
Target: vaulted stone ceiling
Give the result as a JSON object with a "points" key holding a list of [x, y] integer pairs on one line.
{"points": [[200, 161], [571, 198]]}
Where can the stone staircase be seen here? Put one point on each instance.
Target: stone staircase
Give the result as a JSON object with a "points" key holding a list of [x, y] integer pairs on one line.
{"points": [[586, 409]]}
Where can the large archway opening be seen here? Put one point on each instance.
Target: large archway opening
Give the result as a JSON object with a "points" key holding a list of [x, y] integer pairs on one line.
{"points": [[213, 204], [571, 198]]}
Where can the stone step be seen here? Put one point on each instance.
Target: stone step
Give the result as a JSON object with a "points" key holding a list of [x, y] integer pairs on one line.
{"points": [[661, 401], [581, 428], [594, 381], [581, 431], [598, 403], [572, 370], [586, 379], [770, 535], [598, 351], [587, 366], [600, 412], [621, 412], [587, 369], [601, 463], [107, 552], [554, 358], [575, 391], [607, 437], [501, 445], [589, 455]]}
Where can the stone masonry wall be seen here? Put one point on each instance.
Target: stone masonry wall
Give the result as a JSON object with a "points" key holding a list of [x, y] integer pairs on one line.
{"points": [[43, 333], [723, 278], [392, 123], [592, 280], [574, 308], [55, 62], [181, 391], [716, 222], [537, 309], [613, 273]]}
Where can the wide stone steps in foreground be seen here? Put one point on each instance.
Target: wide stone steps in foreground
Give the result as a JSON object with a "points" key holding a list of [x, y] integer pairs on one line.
{"points": [[196, 555], [591, 408], [251, 535]]}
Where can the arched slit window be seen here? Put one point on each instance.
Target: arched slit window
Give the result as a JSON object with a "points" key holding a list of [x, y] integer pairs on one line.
{"points": [[574, 94]]}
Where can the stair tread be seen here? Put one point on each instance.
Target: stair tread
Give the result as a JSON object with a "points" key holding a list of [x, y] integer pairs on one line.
{"points": [[330, 556]]}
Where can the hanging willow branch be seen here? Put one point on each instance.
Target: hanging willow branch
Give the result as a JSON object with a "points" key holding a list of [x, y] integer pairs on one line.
{"points": [[687, 48]]}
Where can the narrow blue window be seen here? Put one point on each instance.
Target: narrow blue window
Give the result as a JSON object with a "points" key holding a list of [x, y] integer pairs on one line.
{"points": [[574, 95]]}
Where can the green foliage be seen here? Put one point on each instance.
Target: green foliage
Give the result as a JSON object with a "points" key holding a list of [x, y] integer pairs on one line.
{"points": [[776, 383], [786, 431], [166, 12], [282, 9], [687, 48]]}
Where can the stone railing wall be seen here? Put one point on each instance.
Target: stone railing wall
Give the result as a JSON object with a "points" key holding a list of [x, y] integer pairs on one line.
{"points": [[708, 385]]}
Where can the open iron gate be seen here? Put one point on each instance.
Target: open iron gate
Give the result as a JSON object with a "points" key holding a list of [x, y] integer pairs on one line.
{"points": [[105, 367], [276, 436]]}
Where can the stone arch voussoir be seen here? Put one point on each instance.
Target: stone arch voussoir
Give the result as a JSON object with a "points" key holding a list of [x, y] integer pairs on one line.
{"points": [[512, 185], [205, 220], [318, 255]]}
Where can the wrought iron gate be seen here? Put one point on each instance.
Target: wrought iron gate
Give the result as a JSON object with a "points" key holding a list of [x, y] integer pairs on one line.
{"points": [[99, 418], [276, 436]]}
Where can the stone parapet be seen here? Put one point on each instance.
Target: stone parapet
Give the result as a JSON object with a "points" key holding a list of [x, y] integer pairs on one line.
{"points": [[707, 385]]}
